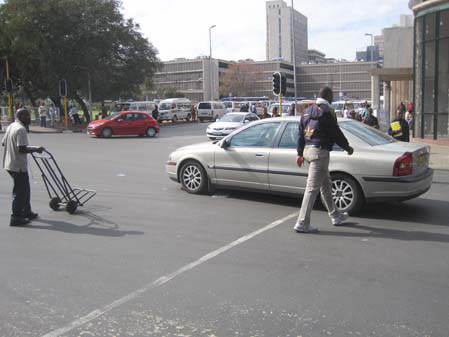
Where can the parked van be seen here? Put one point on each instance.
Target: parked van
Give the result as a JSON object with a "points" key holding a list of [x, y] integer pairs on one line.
{"points": [[173, 109], [232, 106], [210, 110]]}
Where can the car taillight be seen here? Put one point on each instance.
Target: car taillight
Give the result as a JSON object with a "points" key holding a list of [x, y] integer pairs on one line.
{"points": [[403, 165]]}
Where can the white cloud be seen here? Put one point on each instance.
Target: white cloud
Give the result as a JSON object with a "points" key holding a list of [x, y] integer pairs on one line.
{"points": [[179, 28]]}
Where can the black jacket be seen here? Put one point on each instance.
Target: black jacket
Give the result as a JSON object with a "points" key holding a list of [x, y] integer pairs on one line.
{"points": [[329, 131], [372, 121], [405, 137]]}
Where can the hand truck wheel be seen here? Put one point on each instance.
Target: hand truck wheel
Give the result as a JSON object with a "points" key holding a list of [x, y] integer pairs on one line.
{"points": [[71, 206], [55, 203]]}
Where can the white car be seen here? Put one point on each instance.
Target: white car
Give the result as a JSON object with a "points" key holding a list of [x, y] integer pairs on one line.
{"points": [[228, 123]]}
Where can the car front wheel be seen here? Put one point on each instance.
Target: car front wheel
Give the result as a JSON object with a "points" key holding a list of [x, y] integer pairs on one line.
{"points": [[106, 133], [193, 177], [347, 195]]}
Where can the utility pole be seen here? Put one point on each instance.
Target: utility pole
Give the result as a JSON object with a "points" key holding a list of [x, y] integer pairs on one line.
{"points": [[210, 61], [294, 56], [10, 98]]}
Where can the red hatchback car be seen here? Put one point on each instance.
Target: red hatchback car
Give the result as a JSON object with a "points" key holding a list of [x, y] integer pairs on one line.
{"points": [[124, 123]]}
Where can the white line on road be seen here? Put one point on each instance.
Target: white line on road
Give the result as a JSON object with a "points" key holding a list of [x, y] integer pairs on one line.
{"points": [[164, 279]]}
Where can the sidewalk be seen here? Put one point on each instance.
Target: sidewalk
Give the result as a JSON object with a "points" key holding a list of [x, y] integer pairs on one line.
{"points": [[38, 129], [439, 152]]}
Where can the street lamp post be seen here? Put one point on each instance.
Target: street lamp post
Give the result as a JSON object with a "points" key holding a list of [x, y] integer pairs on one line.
{"points": [[372, 47], [210, 60], [294, 56]]}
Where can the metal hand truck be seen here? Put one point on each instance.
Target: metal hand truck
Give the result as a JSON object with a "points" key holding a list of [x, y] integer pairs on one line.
{"points": [[58, 188]]}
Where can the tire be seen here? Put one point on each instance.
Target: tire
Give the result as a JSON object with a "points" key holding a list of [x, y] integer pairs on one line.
{"points": [[347, 194], [54, 203], [174, 119], [106, 133], [151, 132], [189, 116], [193, 177], [71, 206], [201, 120]]}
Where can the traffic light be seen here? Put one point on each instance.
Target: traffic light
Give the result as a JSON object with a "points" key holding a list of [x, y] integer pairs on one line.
{"points": [[63, 88], [276, 83], [9, 85], [283, 85]]}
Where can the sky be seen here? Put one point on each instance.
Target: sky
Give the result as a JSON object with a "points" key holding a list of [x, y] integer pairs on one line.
{"points": [[180, 28]]}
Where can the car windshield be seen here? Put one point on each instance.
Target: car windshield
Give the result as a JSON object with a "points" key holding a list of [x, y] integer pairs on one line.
{"points": [[368, 134], [232, 118], [165, 106], [337, 106], [204, 106]]}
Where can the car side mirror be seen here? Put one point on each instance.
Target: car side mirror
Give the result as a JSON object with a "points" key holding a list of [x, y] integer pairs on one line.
{"points": [[246, 121], [226, 143]]}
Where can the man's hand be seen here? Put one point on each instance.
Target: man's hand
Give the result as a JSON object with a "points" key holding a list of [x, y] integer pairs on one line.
{"points": [[299, 161], [350, 150]]}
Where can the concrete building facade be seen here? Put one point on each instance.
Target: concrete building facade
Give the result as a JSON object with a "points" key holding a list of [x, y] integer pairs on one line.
{"points": [[279, 32], [315, 56], [351, 79], [431, 68]]}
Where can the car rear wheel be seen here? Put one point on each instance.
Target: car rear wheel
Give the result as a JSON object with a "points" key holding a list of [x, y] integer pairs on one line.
{"points": [[106, 133], [189, 116], [193, 177], [174, 119], [201, 120], [347, 195], [151, 132]]}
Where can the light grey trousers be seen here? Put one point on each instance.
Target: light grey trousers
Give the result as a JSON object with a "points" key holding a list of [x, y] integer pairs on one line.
{"points": [[318, 180]]}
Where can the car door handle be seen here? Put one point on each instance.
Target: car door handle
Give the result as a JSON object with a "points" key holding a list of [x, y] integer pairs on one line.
{"points": [[259, 154]]}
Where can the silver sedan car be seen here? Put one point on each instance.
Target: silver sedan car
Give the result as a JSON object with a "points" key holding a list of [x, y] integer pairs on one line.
{"points": [[229, 123], [262, 157]]}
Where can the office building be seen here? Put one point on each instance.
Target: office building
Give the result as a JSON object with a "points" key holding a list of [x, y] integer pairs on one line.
{"points": [[315, 56], [351, 79], [431, 68], [279, 46]]}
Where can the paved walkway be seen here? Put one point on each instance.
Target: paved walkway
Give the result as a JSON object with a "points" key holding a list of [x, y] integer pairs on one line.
{"points": [[439, 152]]}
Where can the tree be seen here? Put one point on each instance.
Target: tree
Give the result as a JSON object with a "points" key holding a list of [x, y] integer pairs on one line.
{"points": [[239, 80], [76, 40]]}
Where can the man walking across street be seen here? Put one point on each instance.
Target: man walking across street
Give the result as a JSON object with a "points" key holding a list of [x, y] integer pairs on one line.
{"points": [[15, 153], [318, 131]]}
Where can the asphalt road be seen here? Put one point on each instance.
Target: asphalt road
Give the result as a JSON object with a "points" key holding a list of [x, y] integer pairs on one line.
{"points": [[144, 258]]}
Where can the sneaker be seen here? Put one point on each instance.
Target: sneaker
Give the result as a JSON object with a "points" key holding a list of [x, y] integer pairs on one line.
{"points": [[340, 219], [300, 228], [31, 216], [18, 221]]}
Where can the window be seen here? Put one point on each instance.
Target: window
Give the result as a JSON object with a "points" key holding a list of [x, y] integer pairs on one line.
{"points": [[260, 135], [141, 116], [289, 139], [129, 117], [369, 135], [204, 105]]}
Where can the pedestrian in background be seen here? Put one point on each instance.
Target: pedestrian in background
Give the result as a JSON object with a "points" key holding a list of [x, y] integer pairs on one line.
{"points": [[43, 114], [275, 113], [15, 162], [291, 110], [402, 108], [318, 131], [52, 115], [104, 111], [371, 120], [74, 115], [193, 113], [265, 113], [399, 128], [155, 112]]}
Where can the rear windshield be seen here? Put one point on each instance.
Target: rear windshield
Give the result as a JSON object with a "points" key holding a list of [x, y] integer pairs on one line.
{"points": [[204, 106], [165, 106], [232, 118], [369, 135]]}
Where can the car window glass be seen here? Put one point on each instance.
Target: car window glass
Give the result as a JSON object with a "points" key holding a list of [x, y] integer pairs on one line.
{"points": [[369, 135], [289, 139], [204, 106], [140, 116], [129, 117], [260, 135]]}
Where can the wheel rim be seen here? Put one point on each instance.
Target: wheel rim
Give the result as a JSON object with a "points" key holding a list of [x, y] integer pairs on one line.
{"points": [[192, 177], [151, 132], [106, 132], [342, 193]]}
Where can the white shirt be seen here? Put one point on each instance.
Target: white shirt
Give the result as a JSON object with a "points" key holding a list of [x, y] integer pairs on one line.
{"points": [[15, 136], [43, 111]]}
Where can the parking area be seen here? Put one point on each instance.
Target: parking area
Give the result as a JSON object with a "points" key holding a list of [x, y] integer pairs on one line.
{"points": [[144, 258]]}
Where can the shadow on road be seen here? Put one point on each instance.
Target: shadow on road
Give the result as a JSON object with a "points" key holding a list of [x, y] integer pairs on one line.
{"points": [[97, 226], [386, 233]]}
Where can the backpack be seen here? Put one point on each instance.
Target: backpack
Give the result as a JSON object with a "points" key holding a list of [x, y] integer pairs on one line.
{"points": [[312, 122]]}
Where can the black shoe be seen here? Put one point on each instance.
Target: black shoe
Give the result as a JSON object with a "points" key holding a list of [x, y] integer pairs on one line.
{"points": [[31, 216], [19, 222]]}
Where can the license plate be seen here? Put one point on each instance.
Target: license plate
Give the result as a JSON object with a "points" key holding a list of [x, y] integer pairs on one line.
{"points": [[422, 159]]}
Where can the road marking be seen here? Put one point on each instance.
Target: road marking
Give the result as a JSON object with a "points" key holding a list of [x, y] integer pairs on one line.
{"points": [[164, 279]]}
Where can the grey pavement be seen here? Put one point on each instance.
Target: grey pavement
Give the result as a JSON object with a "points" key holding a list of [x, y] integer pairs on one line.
{"points": [[111, 269]]}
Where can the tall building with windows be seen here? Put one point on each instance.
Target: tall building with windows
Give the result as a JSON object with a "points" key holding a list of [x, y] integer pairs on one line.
{"points": [[431, 68], [280, 30]]}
